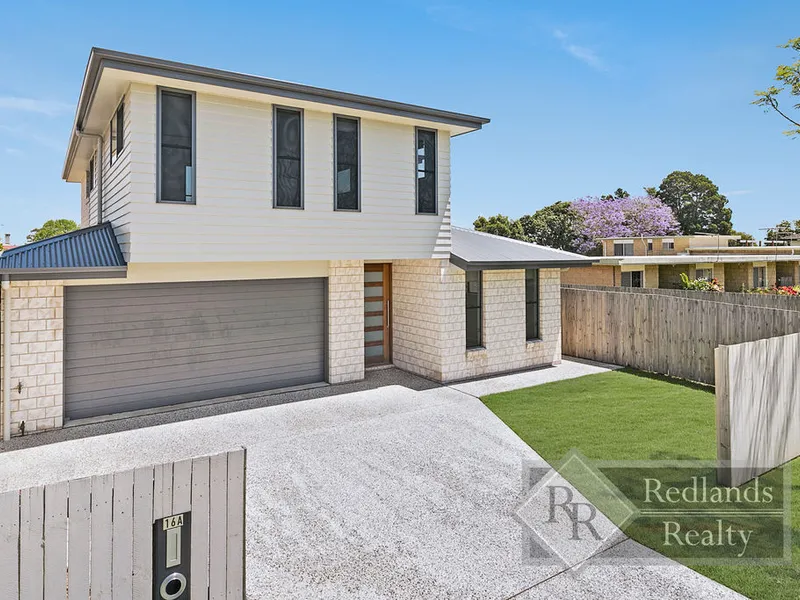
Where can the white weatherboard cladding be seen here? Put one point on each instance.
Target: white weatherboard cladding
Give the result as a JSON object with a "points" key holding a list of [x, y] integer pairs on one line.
{"points": [[234, 220], [116, 184]]}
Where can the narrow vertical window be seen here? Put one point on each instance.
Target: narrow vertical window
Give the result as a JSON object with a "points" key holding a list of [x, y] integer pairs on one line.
{"points": [[176, 147], [532, 304], [426, 172], [116, 129], [90, 176], [346, 140], [474, 300], [288, 162]]}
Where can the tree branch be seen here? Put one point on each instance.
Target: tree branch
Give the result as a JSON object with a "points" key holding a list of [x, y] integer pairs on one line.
{"points": [[774, 105]]}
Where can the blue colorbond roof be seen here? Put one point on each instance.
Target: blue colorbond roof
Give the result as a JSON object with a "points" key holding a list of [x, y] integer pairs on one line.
{"points": [[90, 251]]}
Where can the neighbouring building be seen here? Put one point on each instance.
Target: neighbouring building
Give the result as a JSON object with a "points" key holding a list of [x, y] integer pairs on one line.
{"points": [[242, 234], [659, 261]]}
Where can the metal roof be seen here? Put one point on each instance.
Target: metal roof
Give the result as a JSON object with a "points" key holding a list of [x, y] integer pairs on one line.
{"points": [[90, 252], [100, 59], [475, 251]]}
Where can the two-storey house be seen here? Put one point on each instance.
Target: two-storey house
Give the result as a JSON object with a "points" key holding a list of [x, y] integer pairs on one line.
{"points": [[241, 234], [659, 261]]}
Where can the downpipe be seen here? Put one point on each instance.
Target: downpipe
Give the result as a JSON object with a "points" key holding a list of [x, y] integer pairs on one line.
{"points": [[6, 286]]}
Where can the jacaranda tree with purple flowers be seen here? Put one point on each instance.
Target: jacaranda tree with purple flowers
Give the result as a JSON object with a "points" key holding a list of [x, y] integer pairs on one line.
{"points": [[633, 216]]}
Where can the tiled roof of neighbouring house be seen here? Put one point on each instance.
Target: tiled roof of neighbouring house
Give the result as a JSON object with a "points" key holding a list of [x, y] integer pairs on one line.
{"points": [[474, 250], [83, 250]]}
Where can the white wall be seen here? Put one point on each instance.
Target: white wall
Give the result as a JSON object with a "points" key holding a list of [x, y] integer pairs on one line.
{"points": [[234, 220], [116, 184]]}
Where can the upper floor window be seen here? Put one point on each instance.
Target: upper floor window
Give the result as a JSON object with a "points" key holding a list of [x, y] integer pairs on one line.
{"points": [[288, 161], [426, 172], [346, 163], [90, 177], [633, 279], [116, 130], [623, 248], [532, 304], [474, 306], [668, 244], [176, 143], [649, 245]]}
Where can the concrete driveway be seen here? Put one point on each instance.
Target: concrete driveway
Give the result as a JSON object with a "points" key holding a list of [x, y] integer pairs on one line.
{"points": [[388, 493]]}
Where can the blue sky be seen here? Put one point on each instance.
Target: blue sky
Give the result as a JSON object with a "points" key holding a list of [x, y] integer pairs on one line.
{"points": [[584, 96]]}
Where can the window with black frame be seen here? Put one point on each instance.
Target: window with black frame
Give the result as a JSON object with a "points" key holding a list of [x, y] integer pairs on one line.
{"points": [[532, 304], [90, 177], [346, 163], [176, 147], [288, 164], [474, 304], [116, 131], [633, 279], [426, 172]]}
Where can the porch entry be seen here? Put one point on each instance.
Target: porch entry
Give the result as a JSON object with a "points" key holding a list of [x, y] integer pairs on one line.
{"points": [[377, 314]]}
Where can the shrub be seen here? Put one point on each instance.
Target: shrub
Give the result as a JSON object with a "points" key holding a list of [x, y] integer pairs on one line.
{"points": [[782, 290], [700, 285]]}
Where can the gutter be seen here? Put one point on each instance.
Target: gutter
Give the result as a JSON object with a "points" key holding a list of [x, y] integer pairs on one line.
{"points": [[6, 358], [79, 134], [38, 274], [497, 265]]}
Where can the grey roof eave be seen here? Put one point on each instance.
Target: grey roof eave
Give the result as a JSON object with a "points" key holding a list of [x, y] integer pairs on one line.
{"points": [[64, 273], [100, 58], [498, 265]]}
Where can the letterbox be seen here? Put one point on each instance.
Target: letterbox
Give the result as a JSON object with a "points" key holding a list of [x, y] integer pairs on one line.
{"points": [[172, 545]]}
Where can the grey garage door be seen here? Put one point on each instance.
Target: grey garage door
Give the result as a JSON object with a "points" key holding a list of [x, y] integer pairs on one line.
{"points": [[129, 347]]}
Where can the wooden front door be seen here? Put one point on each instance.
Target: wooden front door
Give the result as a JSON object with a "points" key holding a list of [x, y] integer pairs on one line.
{"points": [[377, 314]]}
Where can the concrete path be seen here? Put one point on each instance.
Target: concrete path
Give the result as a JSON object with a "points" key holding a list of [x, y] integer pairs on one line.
{"points": [[507, 383], [388, 493]]}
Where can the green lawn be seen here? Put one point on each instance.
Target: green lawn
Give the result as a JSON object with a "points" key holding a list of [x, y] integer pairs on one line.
{"points": [[628, 415]]}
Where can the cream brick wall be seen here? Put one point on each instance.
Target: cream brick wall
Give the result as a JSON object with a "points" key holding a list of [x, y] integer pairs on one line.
{"points": [[37, 354], [345, 321], [594, 275], [718, 271], [418, 318], [651, 276], [429, 334], [772, 275]]}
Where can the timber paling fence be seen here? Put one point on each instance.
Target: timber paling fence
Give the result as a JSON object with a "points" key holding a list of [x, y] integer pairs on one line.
{"points": [[672, 332], [761, 300]]}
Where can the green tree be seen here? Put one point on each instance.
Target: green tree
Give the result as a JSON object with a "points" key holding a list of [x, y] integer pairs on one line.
{"points": [[788, 78], [618, 193], [742, 235], [785, 230], [500, 225], [52, 228], [555, 226], [696, 202]]}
